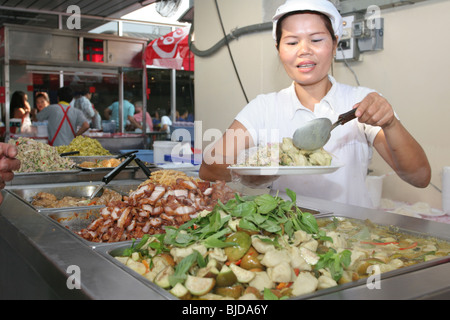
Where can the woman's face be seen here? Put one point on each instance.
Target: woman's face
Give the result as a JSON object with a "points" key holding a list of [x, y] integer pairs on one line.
{"points": [[306, 48], [41, 103]]}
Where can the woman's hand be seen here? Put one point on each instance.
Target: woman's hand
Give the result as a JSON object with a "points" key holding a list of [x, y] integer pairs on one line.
{"points": [[375, 110], [394, 143], [253, 181], [27, 107]]}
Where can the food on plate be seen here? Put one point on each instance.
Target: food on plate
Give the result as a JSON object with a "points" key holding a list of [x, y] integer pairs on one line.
{"points": [[86, 146], [105, 163], [152, 206], [36, 156], [49, 200], [290, 155], [169, 177], [264, 247], [283, 154]]}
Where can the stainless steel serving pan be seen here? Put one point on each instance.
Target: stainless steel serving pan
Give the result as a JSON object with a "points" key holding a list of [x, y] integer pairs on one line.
{"points": [[403, 224], [81, 190], [75, 219], [80, 159]]}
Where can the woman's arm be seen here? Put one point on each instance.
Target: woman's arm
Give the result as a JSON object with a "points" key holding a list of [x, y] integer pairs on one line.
{"points": [[394, 143], [223, 153]]}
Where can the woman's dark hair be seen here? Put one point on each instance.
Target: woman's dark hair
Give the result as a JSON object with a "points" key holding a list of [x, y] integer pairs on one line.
{"points": [[65, 94], [324, 17], [17, 100], [41, 95]]}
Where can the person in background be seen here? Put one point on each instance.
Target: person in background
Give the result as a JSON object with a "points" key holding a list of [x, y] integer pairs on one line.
{"points": [[8, 164], [63, 119], [83, 102], [42, 101], [97, 121], [138, 117], [165, 122], [184, 115], [156, 120], [20, 109], [112, 112], [306, 34]]}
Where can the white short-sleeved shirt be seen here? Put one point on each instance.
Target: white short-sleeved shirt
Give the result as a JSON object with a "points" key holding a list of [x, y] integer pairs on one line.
{"points": [[271, 117]]}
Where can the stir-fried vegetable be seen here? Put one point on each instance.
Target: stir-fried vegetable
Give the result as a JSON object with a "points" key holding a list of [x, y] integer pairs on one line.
{"points": [[36, 156], [265, 247], [86, 146]]}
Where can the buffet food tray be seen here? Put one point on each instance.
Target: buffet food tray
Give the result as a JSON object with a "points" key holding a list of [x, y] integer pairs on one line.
{"points": [[46, 173], [80, 159], [80, 190], [403, 224], [75, 219]]}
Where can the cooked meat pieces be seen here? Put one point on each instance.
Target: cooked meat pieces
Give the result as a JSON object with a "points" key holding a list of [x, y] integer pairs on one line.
{"points": [[108, 196], [152, 206], [44, 200], [48, 200]]}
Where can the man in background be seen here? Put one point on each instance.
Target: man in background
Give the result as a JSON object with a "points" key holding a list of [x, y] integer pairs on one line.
{"points": [[64, 121]]}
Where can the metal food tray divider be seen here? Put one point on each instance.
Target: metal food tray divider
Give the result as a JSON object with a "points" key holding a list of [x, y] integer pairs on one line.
{"points": [[70, 219]]}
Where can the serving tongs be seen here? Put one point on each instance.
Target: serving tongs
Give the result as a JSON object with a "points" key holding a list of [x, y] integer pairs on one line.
{"points": [[143, 167], [70, 153], [112, 174], [124, 155]]}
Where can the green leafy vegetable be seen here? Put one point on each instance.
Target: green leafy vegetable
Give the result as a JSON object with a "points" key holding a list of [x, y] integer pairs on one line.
{"points": [[335, 262], [183, 267], [269, 295]]}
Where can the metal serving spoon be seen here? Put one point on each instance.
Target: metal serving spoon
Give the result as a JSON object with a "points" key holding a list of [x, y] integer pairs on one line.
{"points": [[315, 134]]}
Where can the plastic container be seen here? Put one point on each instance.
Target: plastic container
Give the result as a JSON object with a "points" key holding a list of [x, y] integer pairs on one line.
{"points": [[172, 148], [109, 126], [446, 189], [375, 186], [41, 129], [193, 159], [14, 125]]}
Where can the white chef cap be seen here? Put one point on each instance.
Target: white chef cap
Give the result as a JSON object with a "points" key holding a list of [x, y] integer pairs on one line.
{"points": [[322, 6]]}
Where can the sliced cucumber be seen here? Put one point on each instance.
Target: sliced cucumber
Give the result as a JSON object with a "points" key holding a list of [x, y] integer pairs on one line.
{"points": [[199, 286]]}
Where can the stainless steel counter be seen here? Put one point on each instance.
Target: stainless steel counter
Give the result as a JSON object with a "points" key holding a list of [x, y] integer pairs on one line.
{"points": [[38, 256], [117, 141]]}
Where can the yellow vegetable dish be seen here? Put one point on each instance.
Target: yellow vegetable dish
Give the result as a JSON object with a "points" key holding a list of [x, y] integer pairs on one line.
{"points": [[86, 146]]}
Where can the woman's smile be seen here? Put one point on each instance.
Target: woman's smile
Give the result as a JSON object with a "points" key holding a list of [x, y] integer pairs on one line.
{"points": [[306, 66]]}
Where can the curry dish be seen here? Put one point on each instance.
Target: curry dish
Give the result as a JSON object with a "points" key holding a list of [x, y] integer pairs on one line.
{"points": [[264, 247]]}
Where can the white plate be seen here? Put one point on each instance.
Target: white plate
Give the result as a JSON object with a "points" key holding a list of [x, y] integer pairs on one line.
{"points": [[433, 213], [285, 170]]}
